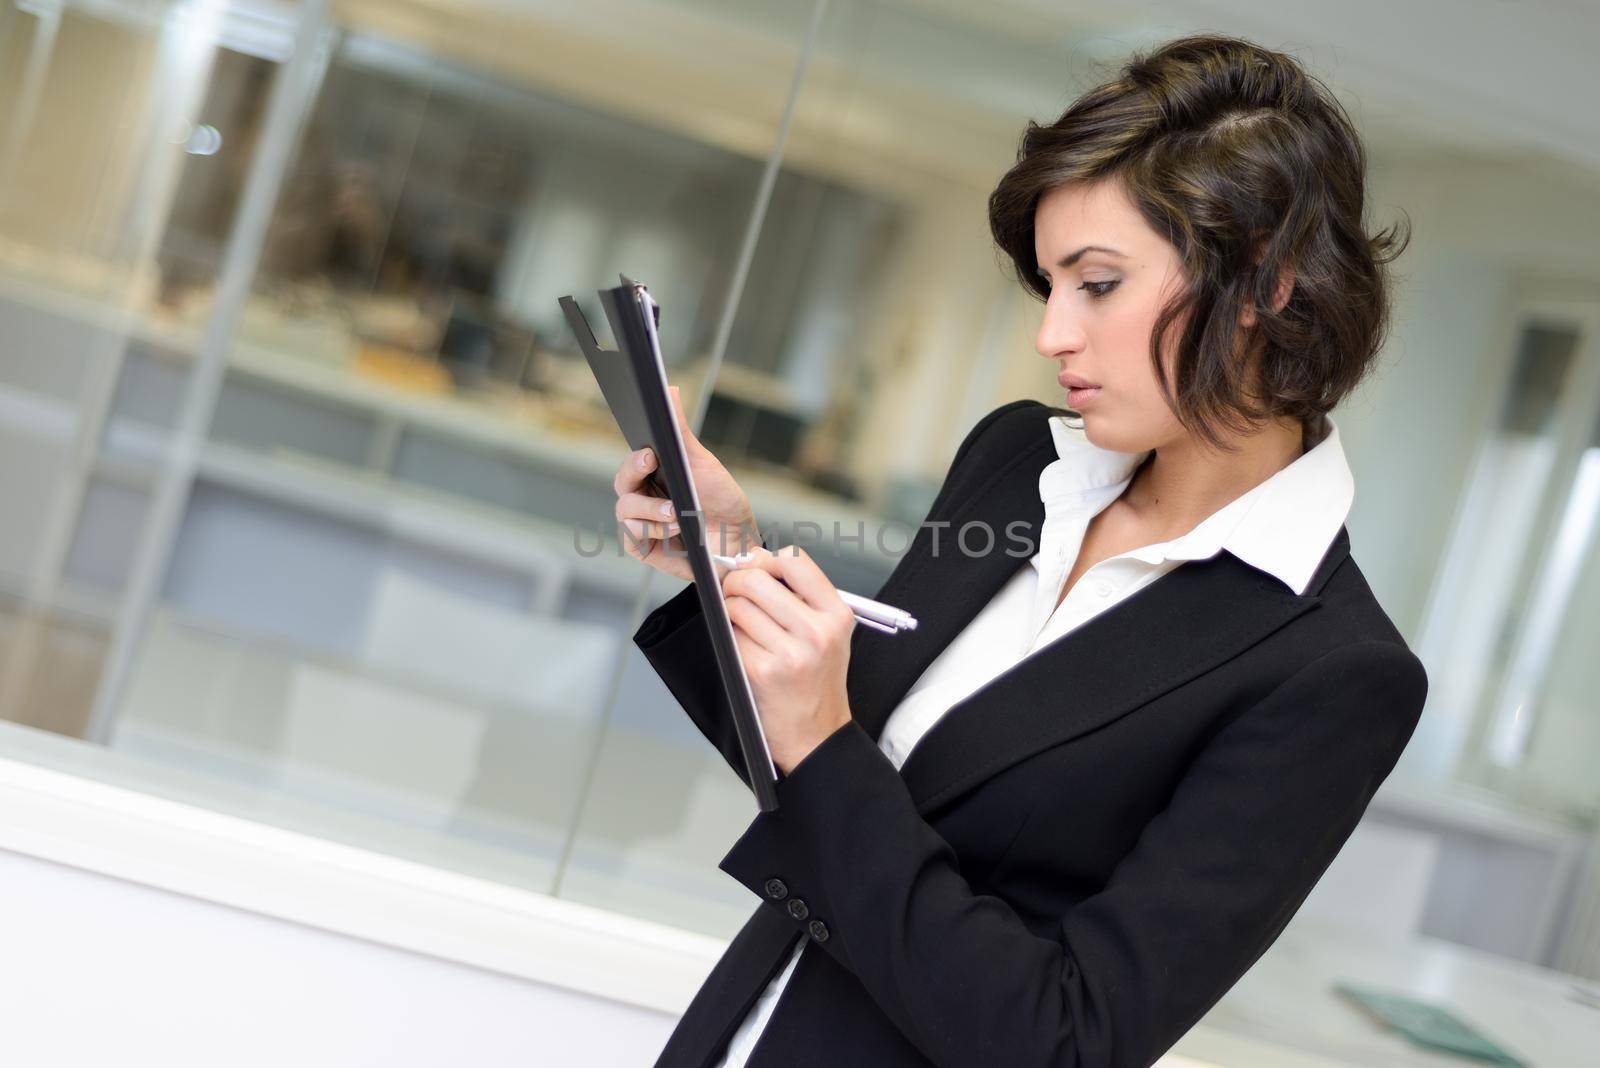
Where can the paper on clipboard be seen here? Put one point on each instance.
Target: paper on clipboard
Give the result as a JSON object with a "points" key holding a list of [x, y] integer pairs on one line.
{"points": [[633, 381]]}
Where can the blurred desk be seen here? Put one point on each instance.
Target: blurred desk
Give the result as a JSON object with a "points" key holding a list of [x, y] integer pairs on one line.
{"points": [[1284, 1011]]}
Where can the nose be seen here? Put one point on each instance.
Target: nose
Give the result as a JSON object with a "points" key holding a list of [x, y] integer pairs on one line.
{"points": [[1059, 335]]}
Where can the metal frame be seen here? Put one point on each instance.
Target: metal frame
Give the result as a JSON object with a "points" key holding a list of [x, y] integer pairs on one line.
{"points": [[719, 346], [294, 92]]}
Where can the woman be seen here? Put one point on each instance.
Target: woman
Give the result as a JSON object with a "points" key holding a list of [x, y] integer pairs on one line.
{"points": [[1054, 824]]}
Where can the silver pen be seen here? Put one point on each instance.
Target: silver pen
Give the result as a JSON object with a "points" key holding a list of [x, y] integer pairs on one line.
{"points": [[874, 614]]}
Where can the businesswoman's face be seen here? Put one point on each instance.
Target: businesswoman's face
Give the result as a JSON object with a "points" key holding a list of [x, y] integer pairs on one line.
{"points": [[1109, 276]]}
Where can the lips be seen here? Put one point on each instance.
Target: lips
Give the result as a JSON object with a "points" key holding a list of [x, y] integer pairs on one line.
{"points": [[1072, 381]]}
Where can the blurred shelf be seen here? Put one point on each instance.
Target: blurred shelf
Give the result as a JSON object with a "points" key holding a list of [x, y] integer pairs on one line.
{"points": [[521, 543], [593, 457], [523, 428]]}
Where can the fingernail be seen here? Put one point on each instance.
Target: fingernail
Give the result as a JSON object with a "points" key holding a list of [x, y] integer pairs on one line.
{"points": [[666, 508], [644, 457]]}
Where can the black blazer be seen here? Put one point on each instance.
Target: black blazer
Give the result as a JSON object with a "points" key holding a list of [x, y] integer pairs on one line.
{"points": [[1078, 860]]}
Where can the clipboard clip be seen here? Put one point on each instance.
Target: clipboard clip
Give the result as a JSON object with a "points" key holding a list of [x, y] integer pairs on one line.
{"points": [[643, 293]]}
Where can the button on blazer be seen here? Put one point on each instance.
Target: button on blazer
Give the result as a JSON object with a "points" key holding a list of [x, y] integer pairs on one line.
{"points": [[1080, 858]]}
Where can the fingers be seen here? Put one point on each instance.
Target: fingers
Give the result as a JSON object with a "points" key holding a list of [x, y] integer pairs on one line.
{"points": [[775, 600], [802, 575], [639, 539], [756, 657], [636, 467], [752, 620], [641, 516], [656, 510], [775, 622]]}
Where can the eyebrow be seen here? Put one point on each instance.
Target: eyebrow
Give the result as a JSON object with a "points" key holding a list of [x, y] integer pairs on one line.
{"points": [[1068, 261]]}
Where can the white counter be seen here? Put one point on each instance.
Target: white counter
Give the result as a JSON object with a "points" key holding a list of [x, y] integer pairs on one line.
{"points": [[101, 811]]}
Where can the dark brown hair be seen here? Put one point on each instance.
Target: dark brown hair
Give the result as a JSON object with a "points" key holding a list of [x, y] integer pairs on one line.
{"points": [[1230, 151]]}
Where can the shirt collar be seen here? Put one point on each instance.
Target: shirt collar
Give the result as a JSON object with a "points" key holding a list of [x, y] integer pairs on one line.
{"points": [[1283, 525]]}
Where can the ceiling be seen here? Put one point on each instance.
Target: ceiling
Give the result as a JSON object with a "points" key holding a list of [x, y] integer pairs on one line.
{"points": [[1425, 77]]}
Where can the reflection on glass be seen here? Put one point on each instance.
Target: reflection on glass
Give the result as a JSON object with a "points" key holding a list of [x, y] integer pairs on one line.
{"points": [[69, 175], [50, 659], [433, 214], [219, 146], [99, 187], [375, 613]]}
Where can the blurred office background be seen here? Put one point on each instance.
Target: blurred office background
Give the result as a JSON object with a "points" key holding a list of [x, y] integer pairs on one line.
{"points": [[306, 491]]}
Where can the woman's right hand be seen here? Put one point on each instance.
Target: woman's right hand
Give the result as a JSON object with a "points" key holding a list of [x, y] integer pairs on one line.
{"points": [[651, 536]]}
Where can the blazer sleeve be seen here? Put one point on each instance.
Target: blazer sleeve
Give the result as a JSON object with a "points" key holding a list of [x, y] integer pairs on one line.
{"points": [[677, 643], [1119, 977]]}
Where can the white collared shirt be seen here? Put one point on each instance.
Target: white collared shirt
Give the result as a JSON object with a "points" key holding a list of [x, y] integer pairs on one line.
{"points": [[1282, 526]]}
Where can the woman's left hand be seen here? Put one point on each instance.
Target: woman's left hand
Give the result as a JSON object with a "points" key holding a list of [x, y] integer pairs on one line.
{"points": [[795, 643]]}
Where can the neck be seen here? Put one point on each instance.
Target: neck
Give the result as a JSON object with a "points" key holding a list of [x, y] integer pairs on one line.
{"points": [[1183, 481]]}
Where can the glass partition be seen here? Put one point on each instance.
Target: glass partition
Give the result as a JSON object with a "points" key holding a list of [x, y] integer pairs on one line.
{"points": [[307, 488], [355, 536], [107, 152]]}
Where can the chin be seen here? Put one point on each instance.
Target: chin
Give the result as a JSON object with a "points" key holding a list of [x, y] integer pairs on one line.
{"points": [[1105, 436]]}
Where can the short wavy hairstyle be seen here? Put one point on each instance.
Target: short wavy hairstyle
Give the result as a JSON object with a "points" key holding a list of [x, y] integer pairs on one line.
{"points": [[1232, 152]]}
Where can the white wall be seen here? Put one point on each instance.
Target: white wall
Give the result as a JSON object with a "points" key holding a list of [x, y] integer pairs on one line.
{"points": [[101, 971], [1488, 231], [1409, 432]]}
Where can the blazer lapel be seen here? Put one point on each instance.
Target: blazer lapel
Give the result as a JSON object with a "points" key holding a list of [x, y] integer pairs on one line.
{"points": [[1193, 618], [945, 587]]}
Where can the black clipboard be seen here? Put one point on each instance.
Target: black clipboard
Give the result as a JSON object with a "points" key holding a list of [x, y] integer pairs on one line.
{"points": [[634, 384]]}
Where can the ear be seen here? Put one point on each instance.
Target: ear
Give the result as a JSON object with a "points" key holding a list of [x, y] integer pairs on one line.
{"points": [[1280, 297]]}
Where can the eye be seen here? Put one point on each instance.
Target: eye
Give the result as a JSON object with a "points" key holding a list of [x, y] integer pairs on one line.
{"points": [[1100, 289]]}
